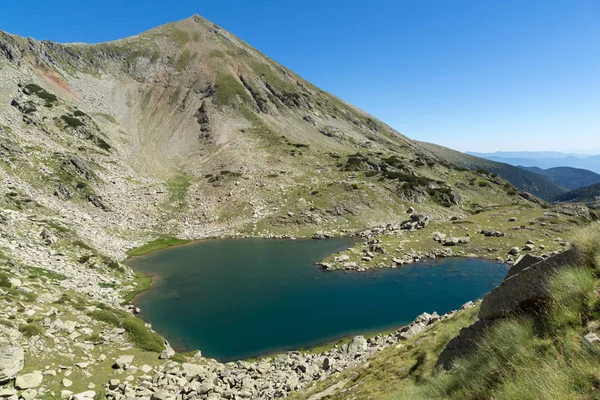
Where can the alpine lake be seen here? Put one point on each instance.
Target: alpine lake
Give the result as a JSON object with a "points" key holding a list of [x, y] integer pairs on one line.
{"points": [[240, 298]]}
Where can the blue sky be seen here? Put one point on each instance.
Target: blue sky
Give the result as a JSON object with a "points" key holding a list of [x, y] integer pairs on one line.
{"points": [[468, 74]]}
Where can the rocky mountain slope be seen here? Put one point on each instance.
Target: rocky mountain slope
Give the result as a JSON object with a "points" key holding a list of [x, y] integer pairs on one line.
{"points": [[567, 177], [186, 131]]}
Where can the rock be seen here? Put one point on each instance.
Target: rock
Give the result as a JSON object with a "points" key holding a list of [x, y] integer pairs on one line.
{"points": [[167, 353], [12, 357], [29, 394], [161, 395], [327, 363], [526, 289], [592, 339], [65, 394], [512, 219], [88, 395], [123, 362], [342, 258], [28, 381], [514, 251], [357, 345], [523, 262], [67, 383], [425, 317], [528, 247], [113, 384], [410, 210], [463, 343]]}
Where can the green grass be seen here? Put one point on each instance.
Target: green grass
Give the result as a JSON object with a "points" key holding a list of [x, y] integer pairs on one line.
{"points": [[42, 94], [72, 121], [142, 337], [155, 245], [228, 88], [185, 59], [4, 282], [31, 329], [37, 272], [533, 357], [178, 187], [141, 283]]}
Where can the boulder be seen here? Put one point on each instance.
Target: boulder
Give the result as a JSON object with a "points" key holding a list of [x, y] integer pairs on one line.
{"points": [[12, 357], [526, 289], [592, 339], [29, 381], [357, 345], [523, 262]]}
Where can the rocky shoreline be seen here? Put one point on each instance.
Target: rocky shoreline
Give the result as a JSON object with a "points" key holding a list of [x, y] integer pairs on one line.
{"points": [[268, 378]]}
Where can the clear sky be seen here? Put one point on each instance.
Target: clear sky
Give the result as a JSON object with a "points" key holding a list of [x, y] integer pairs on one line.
{"points": [[480, 75]]}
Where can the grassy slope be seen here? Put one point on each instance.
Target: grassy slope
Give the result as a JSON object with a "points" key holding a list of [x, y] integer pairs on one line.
{"points": [[526, 358], [523, 180]]}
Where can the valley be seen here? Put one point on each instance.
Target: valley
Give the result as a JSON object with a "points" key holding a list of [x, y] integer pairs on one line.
{"points": [[186, 133]]}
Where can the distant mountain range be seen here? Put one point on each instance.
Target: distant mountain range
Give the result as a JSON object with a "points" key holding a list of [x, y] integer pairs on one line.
{"points": [[521, 178], [589, 195], [544, 159], [567, 177]]}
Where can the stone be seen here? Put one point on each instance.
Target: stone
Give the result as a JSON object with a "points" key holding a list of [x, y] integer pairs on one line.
{"points": [[113, 384], [523, 262], [67, 383], [28, 381], [65, 394], [357, 345], [526, 289], [29, 394], [123, 362], [592, 339], [167, 353], [88, 395], [12, 357], [514, 251], [342, 258]]}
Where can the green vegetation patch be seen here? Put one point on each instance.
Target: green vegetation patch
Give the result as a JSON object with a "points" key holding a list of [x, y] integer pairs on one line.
{"points": [[137, 332], [71, 121], [155, 245], [36, 272], [43, 94], [227, 88]]}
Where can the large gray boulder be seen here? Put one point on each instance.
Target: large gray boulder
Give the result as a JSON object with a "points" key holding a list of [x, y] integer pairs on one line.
{"points": [[523, 290], [12, 357], [357, 346], [29, 381], [526, 289]]}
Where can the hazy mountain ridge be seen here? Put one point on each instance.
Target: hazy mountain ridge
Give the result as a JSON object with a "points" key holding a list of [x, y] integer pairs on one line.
{"points": [[567, 177], [522, 179], [545, 160]]}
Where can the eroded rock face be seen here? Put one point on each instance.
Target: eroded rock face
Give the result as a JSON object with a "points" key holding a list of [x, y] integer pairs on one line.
{"points": [[11, 354]]}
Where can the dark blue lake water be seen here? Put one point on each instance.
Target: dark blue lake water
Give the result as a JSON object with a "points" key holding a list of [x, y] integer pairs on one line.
{"points": [[236, 299]]}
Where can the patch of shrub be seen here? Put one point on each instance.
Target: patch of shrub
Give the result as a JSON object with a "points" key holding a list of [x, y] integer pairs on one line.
{"points": [[72, 121], [32, 329], [42, 94], [4, 282], [137, 332]]}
